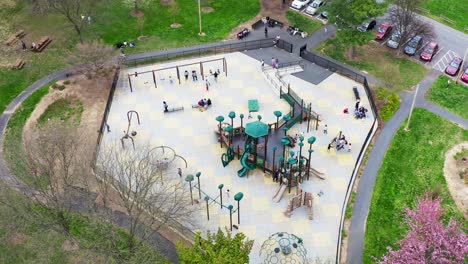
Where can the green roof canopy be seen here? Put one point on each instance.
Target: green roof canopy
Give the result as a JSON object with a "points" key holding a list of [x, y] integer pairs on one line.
{"points": [[256, 129]]}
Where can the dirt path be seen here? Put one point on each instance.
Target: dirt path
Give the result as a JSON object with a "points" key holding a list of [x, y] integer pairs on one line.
{"points": [[275, 9], [456, 185]]}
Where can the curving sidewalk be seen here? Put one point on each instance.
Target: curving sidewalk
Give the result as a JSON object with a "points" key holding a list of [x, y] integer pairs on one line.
{"points": [[366, 184]]}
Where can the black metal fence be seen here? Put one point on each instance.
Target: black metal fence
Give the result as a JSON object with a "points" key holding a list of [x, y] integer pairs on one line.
{"points": [[356, 76], [103, 126], [210, 49]]}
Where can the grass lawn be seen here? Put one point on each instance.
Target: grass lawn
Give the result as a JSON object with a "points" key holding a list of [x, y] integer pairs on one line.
{"points": [[302, 22], [454, 98], [389, 101], [412, 166], [63, 109], [455, 10], [398, 72]]}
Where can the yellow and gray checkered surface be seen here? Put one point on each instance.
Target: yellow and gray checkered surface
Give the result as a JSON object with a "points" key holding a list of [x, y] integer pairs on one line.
{"points": [[191, 133]]}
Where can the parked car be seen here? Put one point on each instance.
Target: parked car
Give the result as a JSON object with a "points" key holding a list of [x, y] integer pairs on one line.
{"points": [[368, 25], [429, 51], [313, 8], [324, 14], [454, 66], [383, 31], [464, 76], [413, 45], [299, 4], [394, 41]]}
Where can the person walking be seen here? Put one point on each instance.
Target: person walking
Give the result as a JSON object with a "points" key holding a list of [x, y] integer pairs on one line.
{"points": [[356, 107], [266, 32], [349, 147], [277, 63], [215, 74], [186, 74], [325, 130], [179, 171], [329, 147], [194, 76], [263, 64], [207, 83], [165, 106], [273, 62]]}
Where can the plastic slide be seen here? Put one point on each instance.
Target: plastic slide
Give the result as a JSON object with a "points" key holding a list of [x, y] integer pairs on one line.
{"points": [[279, 193], [245, 166], [317, 173]]}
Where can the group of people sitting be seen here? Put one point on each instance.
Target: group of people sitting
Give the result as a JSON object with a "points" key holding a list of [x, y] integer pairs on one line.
{"points": [[293, 30], [125, 44], [204, 103], [269, 22], [341, 142], [360, 112], [244, 33]]}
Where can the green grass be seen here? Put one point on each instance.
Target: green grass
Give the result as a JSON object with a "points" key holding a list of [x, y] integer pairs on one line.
{"points": [[455, 10], [412, 166], [63, 109], [303, 23], [454, 98], [461, 154], [115, 24], [349, 206], [398, 72], [99, 242], [391, 103], [14, 155]]}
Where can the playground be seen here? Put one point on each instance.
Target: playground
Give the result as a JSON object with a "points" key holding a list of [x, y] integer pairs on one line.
{"points": [[259, 121]]}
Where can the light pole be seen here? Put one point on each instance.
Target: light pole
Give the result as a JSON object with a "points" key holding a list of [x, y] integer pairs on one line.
{"points": [[198, 174], [220, 187], [230, 214], [311, 141], [189, 179], [220, 119], [200, 33], [207, 207], [278, 114], [238, 197]]}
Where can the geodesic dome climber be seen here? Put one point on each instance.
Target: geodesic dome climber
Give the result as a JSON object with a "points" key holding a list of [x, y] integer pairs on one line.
{"points": [[282, 248]]}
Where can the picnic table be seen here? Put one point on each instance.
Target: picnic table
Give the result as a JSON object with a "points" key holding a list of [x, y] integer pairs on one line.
{"points": [[13, 39], [42, 44], [18, 64]]}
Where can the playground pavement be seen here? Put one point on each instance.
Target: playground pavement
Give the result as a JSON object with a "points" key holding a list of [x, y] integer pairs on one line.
{"points": [[191, 133]]}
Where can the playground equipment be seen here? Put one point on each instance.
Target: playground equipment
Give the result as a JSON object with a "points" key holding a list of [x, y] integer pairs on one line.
{"points": [[133, 133], [228, 156], [301, 199], [177, 69], [283, 247], [317, 173], [246, 166], [279, 194]]}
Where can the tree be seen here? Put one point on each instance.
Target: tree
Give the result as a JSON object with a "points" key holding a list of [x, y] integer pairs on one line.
{"points": [[428, 240], [217, 248], [348, 14], [406, 21], [7, 53], [58, 169], [147, 185], [75, 11], [93, 59]]}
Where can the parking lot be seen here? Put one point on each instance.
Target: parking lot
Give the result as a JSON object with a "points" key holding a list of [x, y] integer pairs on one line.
{"points": [[452, 43]]}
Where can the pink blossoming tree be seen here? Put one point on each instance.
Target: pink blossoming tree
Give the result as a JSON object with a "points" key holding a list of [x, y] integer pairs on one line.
{"points": [[428, 240]]}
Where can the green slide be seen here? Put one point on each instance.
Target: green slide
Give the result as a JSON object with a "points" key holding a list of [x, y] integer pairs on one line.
{"points": [[244, 162]]}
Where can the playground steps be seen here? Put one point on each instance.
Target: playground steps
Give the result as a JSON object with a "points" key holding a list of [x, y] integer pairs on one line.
{"points": [[273, 76]]}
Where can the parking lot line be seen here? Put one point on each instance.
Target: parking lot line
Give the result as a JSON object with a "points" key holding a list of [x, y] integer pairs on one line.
{"points": [[435, 54]]}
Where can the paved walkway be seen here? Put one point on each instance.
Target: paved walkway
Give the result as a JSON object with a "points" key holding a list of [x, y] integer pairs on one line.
{"points": [[366, 184]]}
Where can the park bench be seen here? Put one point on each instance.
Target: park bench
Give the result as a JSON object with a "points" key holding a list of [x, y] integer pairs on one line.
{"points": [[18, 35], [174, 109], [253, 105], [356, 93], [18, 64], [42, 44], [271, 23]]}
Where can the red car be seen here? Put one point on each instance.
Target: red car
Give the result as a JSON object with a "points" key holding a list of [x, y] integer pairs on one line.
{"points": [[454, 66], [429, 51], [464, 76], [383, 31]]}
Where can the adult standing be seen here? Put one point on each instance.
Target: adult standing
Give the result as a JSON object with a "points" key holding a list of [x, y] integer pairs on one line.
{"points": [[266, 32], [186, 74], [165, 106]]}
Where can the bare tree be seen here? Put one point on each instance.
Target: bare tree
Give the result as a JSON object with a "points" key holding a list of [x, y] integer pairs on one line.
{"points": [[58, 170], [148, 187], [75, 11], [7, 53], [406, 21], [93, 59]]}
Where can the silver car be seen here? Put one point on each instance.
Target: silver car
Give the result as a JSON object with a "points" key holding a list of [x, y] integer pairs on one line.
{"points": [[394, 41], [312, 8]]}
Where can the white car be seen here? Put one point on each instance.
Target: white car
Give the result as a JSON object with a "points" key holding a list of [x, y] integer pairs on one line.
{"points": [[312, 8], [299, 4]]}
